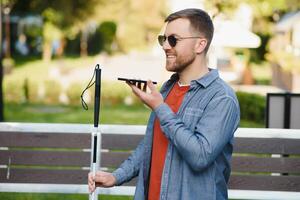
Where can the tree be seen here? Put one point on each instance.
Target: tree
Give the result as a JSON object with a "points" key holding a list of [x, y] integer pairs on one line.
{"points": [[1, 69], [5, 6], [61, 18], [265, 14], [138, 21]]}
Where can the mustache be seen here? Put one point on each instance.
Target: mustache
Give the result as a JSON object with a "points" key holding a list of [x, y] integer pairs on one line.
{"points": [[170, 52]]}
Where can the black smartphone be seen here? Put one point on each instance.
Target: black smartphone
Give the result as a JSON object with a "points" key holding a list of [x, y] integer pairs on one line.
{"points": [[133, 81]]}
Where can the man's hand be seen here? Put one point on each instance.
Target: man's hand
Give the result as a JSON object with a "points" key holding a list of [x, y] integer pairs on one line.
{"points": [[152, 99], [102, 179]]}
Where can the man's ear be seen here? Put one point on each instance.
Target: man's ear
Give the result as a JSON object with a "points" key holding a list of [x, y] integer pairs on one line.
{"points": [[200, 45]]}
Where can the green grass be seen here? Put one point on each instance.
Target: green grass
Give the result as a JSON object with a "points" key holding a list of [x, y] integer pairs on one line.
{"points": [[35, 69], [109, 114]]}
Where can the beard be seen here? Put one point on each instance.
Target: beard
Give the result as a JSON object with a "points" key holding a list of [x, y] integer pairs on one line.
{"points": [[180, 63]]}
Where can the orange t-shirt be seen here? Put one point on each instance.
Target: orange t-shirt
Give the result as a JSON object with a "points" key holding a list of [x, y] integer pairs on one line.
{"points": [[160, 142]]}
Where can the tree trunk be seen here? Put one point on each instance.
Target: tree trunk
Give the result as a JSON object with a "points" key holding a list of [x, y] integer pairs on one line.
{"points": [[7, 33], [47, 51], [83, 43], [1, 69], [60, 51], [247, 76]]}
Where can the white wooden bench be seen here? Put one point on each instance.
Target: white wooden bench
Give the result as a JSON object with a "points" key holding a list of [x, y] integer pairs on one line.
{"points": [[55, 158]]}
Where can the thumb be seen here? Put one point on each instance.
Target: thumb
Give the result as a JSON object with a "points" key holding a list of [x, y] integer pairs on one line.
{"points": [[151, 86]]}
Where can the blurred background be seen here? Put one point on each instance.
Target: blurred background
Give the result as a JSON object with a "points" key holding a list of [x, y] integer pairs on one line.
{"points": [[50, 48]]}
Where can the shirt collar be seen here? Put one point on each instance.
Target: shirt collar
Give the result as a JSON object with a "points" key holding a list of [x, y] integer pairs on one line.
{"points": [[204, 81], [208, 78]]}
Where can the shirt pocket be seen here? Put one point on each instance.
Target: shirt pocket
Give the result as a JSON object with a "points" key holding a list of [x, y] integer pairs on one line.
{"points": [[191, 116]]}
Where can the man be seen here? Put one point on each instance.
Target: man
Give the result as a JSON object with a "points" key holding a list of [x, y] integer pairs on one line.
{"points": [[186, 151]]}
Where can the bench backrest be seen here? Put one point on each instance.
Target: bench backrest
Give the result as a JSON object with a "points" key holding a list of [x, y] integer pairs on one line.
{"points": [[266, 159], [60, 154]]}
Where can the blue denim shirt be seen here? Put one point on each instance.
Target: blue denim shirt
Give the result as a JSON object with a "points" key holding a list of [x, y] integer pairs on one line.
{"points": [[200, 135]]}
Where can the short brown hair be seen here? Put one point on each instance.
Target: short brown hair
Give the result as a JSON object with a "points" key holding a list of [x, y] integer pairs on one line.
{"points": [[200, 21]]}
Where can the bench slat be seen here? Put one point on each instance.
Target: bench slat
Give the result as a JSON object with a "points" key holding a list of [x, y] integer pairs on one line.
{"points": [[264, 164], [264, 182], [44, 176], [246, 182], [266, 145], [46, 158], [121, 142], [67, 140], [45, 140], [48, 176], [128, 142]]}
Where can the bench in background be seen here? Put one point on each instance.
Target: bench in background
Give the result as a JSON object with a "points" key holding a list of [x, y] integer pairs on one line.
{"points": [[55, 158]]}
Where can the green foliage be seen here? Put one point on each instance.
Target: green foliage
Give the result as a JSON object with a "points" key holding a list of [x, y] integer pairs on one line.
{"points": [[52, 92], [252, 107], [52, 15], [138, 22], [222, 6], [286, 60], [13, 91], [265, 13], [108, 31], [73, 93], [73, 45], [8, 65], [103, 38], [257, 55], [30, 91]]}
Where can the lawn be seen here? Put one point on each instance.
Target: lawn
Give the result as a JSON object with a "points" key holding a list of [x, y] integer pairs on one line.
{"points": [[109, 114]]}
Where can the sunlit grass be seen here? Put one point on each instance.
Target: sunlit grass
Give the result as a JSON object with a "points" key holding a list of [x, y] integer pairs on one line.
{"points": [[109, 114], [38, 70], [113, 114]]}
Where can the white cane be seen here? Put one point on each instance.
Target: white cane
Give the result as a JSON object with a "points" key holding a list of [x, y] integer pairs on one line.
{"points": [[96, 135], [95, 157]]}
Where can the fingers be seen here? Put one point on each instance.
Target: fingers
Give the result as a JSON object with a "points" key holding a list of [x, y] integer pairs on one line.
{"points": [[151, 86], [91, 182], [139, 85], [137, 91], [142, 86], [145, 87], [101, 179]]}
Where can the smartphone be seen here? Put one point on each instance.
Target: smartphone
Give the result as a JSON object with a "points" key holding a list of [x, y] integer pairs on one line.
{"points": [[133, 81]]}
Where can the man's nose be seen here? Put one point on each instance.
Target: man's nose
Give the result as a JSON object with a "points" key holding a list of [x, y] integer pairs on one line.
{"points": [[166, 45]]}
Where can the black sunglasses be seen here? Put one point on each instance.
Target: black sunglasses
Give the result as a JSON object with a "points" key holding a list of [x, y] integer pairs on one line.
{"points": [[172, 40]]}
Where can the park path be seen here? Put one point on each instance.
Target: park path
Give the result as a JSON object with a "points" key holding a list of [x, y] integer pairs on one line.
{"points": [[134, 65]]}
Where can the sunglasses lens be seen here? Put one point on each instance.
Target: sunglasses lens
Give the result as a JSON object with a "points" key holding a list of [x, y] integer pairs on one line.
{"points": [[172, 40], [161, 39]]}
